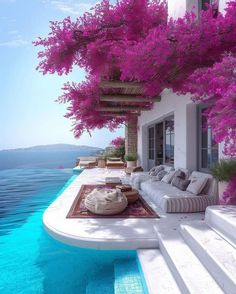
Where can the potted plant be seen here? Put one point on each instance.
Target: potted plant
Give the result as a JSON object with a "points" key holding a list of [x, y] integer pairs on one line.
{"points": [[118, 145], [131, 160], [224, 172]]}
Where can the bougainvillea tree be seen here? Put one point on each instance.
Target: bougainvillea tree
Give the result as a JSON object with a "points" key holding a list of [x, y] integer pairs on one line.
{"points": [[96, 41], [118, 142], [119, 147], [84, 100], [216, 87], [229, 195], [135, 41], [171, 53]]}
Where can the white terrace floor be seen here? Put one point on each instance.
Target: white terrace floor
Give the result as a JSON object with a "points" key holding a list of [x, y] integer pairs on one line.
{"points": [[108, 233], [178, 253]]}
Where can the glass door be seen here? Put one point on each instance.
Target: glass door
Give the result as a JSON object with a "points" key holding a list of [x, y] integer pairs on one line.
{"points": [[161, 142]]}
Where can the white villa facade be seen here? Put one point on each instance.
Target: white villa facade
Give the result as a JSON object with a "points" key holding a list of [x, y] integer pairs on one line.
{"points": [[172, 132]]}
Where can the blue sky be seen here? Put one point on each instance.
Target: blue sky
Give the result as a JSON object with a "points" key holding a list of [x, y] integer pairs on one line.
{"points": [[28, 114]]}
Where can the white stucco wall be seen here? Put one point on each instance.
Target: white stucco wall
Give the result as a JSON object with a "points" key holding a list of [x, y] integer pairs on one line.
{"points": [[222, 5], [185, 128], [177, 8], [192, 5]]}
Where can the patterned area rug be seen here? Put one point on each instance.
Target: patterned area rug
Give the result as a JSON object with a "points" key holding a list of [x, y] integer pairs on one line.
{"points": [[139, 209]]}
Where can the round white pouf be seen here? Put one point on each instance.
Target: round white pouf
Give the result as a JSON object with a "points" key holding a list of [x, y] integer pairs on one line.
{"points": [[105, 201]]}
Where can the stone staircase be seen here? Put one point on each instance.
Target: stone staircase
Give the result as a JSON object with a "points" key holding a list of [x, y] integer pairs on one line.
{"points": [[199, 258]]}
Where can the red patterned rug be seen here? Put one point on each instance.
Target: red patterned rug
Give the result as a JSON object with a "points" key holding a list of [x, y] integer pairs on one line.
{"points": [[139, 209]]}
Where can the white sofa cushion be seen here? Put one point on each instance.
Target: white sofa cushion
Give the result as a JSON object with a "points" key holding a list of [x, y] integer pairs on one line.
{"points": [[211, 187], [168, 177], [155, 170], [159, 175], [138, 177], [196, 185]]}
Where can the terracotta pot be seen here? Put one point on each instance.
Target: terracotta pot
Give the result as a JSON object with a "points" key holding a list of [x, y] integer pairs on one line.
{"points": [[131, 163], [221, 188]]}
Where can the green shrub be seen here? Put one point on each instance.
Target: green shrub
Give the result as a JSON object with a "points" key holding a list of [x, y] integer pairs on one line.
{"points": [[117, 152], [225, 170], [131, 157]]}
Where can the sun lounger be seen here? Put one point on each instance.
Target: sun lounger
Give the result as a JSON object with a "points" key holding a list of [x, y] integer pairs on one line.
{"points": [[114, 162], [87, 161]]}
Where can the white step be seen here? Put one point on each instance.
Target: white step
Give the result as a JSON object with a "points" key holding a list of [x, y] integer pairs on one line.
{"points": [[222, 219], [156, 272], [191, 276], [217, 255], [127, 278], [101, 283]]}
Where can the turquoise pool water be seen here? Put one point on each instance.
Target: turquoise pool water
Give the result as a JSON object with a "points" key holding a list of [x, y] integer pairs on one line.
{"points": [[31, 262]]}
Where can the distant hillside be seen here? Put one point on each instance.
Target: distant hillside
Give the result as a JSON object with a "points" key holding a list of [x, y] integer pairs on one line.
{"points": [[45, 156], [56, 148]]}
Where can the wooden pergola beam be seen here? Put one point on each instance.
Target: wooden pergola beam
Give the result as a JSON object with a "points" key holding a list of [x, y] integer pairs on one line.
{"points": [[122, 109], [128, 98], [120, 84]]}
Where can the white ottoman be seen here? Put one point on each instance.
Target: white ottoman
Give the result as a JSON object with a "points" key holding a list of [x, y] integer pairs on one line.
{"points": [[106, 201]]}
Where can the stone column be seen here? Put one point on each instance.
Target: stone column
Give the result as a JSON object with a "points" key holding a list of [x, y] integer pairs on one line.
{"points": [[131, 136]]}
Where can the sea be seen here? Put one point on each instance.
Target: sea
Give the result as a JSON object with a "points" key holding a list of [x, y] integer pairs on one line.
{"points": [[41, 159]]}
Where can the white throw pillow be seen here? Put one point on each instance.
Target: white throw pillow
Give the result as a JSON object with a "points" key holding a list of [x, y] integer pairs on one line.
{"points": [[159, 176], [155, 170], [197, 185], [168, 178]]}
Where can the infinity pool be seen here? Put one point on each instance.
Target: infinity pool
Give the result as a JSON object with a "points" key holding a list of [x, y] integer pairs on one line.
{"points": [[32, 262]]}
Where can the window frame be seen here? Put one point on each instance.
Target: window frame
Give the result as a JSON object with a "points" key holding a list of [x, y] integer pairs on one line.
{"points": [[201, 4], [151, 149], [154, 126], [200, 147]]}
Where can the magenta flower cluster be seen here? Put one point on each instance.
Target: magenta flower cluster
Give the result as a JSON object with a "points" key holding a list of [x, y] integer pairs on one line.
{"points": [[96, 42], [229, 196], [118, 142]]}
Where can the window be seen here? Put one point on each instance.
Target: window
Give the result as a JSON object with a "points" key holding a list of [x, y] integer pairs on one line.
{"points": [[204, 4], [161, 142], [169, 140], [151, 143], [208, 149]]}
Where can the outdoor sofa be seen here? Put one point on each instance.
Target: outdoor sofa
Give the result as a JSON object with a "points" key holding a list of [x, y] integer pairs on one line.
{"points": [[172, 199]]}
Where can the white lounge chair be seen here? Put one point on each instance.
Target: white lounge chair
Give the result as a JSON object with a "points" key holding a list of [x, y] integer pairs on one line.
{"points": [[88, 162]]}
